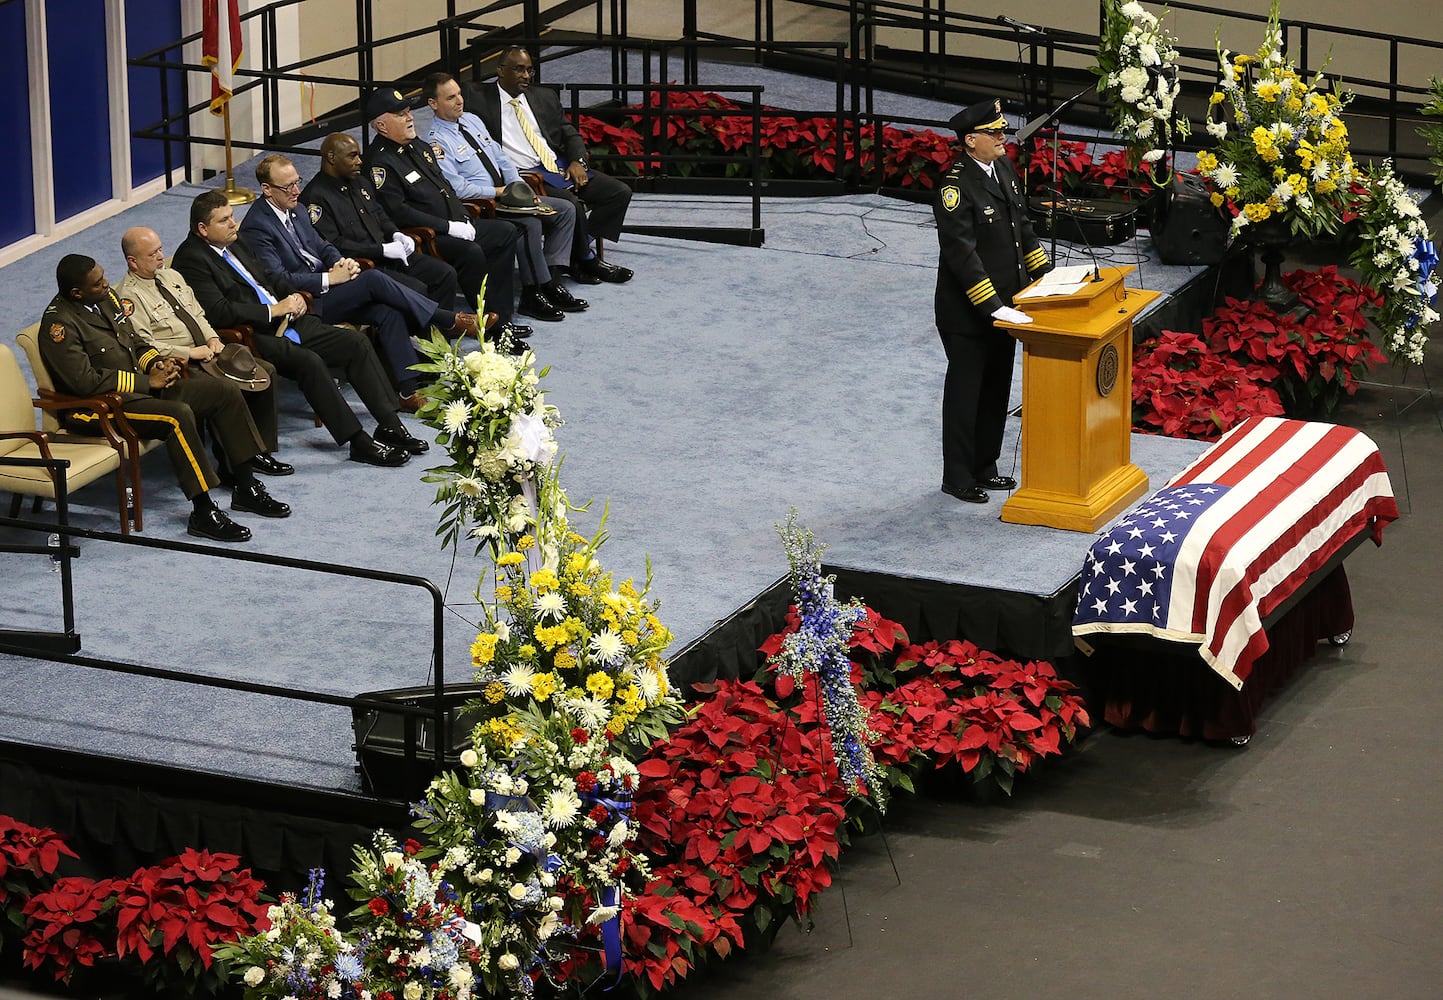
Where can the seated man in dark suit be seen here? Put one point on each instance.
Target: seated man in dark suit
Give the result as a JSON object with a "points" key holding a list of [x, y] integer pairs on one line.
{"points": [[345, 212], [536, 136], [340, 291], [234, 287], [89, 347], [415, 193]]}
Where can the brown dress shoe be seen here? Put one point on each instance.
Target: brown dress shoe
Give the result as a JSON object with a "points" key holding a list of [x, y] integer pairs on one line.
{"points": [[411, 403]]}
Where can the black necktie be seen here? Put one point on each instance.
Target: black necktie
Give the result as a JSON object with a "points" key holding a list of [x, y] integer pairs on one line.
{"points": [[190, 324], [373, 229], [496, 179]]}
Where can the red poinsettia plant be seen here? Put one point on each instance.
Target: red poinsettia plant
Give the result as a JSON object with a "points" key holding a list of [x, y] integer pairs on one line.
{"points": [[70, 926], [710, 124], [29, 856], [1253, 361], [181, 910]]}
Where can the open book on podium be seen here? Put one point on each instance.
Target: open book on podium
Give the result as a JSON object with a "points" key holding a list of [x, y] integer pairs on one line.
{"points": [[1077, 471]]}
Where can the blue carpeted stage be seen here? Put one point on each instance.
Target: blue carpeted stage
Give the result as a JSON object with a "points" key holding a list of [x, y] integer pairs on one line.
{"points": [[719, 388]]}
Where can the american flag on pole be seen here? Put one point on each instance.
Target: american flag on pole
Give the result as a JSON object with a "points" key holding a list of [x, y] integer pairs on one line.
{"points": [[220, 48], [1232, 536]]}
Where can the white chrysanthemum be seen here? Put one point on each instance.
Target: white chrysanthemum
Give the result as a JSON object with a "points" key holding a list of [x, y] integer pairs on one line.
{"points": [[468, 487], [1147, 54], [1132, 10], [618, 834], [550, 605], [602, 914], [1226, 175], [518, 680], [1322, 169], [455, 415], [647, 683], [607, 646], [592, 713], [1152, 156], [561, 809], [1131, 95], [1283, 192], [1282, 132], [1404, 205]]}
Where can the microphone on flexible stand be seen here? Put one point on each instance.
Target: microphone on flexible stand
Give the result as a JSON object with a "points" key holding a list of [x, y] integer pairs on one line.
{"points": [[1022, 26]]}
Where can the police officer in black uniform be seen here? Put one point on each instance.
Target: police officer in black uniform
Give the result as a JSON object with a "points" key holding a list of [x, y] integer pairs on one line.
{"points": [[343, 207], [988, 253], [90, 347], [414, 192]]}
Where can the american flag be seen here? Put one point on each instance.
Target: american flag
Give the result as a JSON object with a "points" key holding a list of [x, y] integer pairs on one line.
{"points": [[1205, 559]]}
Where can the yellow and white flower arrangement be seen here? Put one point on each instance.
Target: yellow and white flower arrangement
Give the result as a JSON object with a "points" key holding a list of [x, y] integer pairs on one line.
{"points": [[1282, 146]]}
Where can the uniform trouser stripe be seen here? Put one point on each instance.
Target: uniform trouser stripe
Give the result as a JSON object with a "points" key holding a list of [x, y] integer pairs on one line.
{"points": [[197, 470]]}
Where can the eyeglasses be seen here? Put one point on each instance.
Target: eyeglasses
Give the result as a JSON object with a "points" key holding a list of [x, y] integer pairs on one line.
{"points": [[293, 186]]}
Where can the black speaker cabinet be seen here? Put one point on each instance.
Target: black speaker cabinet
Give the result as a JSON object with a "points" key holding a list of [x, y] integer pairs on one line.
{"points": [[1187, 229], [396, 753]]}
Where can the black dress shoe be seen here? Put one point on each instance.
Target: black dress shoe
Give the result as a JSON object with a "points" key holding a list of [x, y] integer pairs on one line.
{"points": [[967, 494], [998, 483], [606, 272], [582, 276], [255, 499], [399, 437], [216, 525], [562, 299], [269, 465], [536, 305], [375, 453]]}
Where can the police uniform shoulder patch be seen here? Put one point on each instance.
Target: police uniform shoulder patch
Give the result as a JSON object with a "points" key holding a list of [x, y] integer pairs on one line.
{"points": [[439, 150], [314, 212], [127, 307], [57, 332], [951, 197], [378, 176]]}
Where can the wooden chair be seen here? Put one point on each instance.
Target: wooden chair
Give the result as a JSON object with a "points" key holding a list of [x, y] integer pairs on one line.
{"points": [[89, 457]]}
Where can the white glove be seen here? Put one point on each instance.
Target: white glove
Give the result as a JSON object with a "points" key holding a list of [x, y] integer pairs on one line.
{"points": [[461, 230], [1009, 315], [395, 250], [406, 242]]}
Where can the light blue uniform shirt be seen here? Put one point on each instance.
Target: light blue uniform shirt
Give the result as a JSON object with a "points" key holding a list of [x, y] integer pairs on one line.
{"points": [[462, 167]]}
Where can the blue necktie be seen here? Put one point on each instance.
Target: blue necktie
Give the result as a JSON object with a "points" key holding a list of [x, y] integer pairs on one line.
{"points": [[260, 290]]}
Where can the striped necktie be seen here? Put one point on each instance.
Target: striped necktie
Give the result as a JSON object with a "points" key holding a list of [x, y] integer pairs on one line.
{"points": [[543, 151], [291, 334]]}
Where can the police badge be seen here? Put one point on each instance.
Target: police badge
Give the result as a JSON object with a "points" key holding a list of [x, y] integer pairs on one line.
{"points": [[314, 211], [378, 176], [951, 197], [57, 332]]}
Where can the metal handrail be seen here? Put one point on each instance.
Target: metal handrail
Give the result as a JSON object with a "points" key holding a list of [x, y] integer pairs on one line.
{"points": [[437, 713]]}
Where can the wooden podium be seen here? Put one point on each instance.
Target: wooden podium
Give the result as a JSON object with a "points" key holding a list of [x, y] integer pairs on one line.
{"points": [[1077, 470]]}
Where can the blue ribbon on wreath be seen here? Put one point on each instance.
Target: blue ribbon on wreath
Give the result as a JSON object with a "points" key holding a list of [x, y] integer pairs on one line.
{"points": [[1427, 257]]}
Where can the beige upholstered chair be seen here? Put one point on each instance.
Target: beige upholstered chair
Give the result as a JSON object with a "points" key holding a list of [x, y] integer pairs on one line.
{"points": [[89, 458]]}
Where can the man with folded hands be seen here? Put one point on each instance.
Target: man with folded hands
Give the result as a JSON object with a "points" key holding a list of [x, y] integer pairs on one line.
{"points": [[90, 348], [341, 291], [234, 288], [163, 310]]}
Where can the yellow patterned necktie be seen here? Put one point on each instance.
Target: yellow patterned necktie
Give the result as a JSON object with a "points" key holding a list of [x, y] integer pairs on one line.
{"points": [[543, 151]]}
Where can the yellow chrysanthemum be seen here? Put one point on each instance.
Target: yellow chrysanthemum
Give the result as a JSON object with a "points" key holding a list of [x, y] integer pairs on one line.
{"points": [[564, 660], [1256, 212], [1293, 104], [543, 580], [527, 652], [503, 593], [1325, 186], [1278, 174], [1207, 162], [543, 686], [616, 726], [511, 559], [495, 692], [1217, 199], [574, 627], [1217, 98], [576, 563], [580, 589], [483, 650], [550, 636], [525, 543], [1268, 91], [600, 684]]}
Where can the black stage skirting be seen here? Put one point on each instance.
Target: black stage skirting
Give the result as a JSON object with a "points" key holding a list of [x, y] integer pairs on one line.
{"points": [[1160, 688]]}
